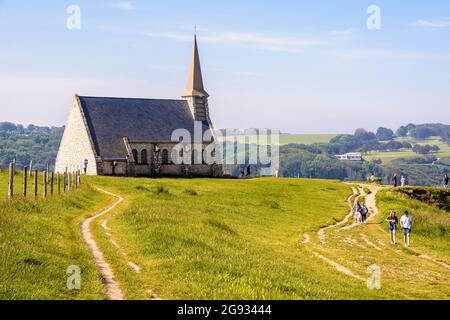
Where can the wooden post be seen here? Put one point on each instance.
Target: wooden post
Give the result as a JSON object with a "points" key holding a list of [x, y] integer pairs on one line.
{"points": [[65, 181], [52, 181], [31, 168], [11, 181], [14, 166], [44, 184], [79, 178], [58, 182], [25, 181], [68, 181], [35, 184]]}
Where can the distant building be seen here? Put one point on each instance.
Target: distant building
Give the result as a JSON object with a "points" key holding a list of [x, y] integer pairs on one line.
{"points": [[133, 137], [350, 157]]}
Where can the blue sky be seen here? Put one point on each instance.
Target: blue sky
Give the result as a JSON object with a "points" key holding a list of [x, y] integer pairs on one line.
{"points": [[301, 66]]}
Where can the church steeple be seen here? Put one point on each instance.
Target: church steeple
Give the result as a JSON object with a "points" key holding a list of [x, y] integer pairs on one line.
{"points": [[195, 93], [195, 80]]}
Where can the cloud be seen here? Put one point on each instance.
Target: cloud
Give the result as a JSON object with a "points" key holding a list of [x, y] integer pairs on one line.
{"points": [[125, 5], [258, 41], [343, 32], [381, 54], [432, 23]]}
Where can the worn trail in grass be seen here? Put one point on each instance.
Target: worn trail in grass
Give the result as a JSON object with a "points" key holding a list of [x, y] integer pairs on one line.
{"points": [[410, 273]]}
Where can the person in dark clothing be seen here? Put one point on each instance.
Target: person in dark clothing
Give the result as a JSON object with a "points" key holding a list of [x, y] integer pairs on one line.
{"points": [[446, 178], [364, 212], [395, 180]]}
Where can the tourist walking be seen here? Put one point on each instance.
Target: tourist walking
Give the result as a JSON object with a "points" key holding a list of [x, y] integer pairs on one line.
{"points": [[406, 224], [357, 213], [395, 180], [403, 181], [392, 226], [446, 178], [85, 166], [364, 212]]}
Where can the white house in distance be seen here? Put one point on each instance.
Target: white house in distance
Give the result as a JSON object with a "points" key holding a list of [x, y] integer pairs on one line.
{"points": [[350, 157]]}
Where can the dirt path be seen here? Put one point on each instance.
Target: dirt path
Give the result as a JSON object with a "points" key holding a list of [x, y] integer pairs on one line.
{"points": [[113, 291], [349, 216]]}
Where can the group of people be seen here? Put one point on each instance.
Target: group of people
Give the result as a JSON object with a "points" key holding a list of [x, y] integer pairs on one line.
{"points": [[395, 181], [361, 211], [405, 224]]}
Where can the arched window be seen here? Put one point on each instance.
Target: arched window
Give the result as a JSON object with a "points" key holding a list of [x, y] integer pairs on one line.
{"points": [[135, 156], [144, 159], [165, 156]]}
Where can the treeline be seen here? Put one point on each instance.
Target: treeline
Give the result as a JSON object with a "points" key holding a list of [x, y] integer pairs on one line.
{"points": [[318, 161], [424, 131], [297, 161], [23, 144]]}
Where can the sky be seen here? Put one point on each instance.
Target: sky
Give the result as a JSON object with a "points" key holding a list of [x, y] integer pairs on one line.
{"points": [[320, 66]]}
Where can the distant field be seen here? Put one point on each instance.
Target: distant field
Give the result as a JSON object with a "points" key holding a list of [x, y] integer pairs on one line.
{"points": [[387, 157], [305, 138]]}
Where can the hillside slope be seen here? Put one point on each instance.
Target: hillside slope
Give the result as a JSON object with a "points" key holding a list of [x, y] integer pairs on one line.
{"points": [[221, 239]]}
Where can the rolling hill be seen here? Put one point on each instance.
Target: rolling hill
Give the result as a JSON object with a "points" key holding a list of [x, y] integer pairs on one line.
{"points": [[220, 239]]}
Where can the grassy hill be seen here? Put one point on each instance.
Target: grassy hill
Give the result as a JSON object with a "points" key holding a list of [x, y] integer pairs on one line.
{"points": [[209, 239], [305, 138], [388, 157], [40, 240]]}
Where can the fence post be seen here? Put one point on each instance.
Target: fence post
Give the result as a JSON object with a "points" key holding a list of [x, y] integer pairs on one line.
{"points": [[31, 168], [11, 181], [65, 181], [79, 178], [68, 181], [52, 180], [25, 181], [44, 184], [58, 182], [14, 166], [35, 183]]}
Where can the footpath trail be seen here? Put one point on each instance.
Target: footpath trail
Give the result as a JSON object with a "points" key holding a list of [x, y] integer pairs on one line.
{"points": [[353, 249], [112, 286], [113, 291]]}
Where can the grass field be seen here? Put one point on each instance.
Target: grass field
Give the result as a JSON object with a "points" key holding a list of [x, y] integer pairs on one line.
{"points": [[387, 157], [305, 138], [214, 239], [40, 240]]}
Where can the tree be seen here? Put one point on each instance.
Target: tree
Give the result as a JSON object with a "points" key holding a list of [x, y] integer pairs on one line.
{"points": [[384, 134], [407, 145], [422, 133], [435, 148], [402, 131], [7, 126], [363, 135]]}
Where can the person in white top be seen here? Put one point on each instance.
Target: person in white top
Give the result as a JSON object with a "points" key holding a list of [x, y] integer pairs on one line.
{"points": [[406, 224], [403, 181]]}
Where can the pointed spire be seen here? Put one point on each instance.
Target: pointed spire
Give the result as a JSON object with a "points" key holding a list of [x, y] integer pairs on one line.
{"points": [[195, 81]]}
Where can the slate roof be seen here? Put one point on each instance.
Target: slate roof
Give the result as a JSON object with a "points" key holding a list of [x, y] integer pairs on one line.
{"points": [[109, 120]]}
